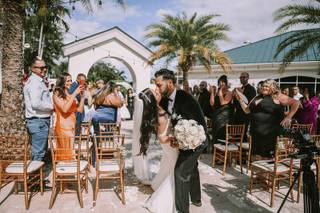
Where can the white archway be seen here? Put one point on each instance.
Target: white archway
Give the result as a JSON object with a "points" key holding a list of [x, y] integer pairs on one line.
{"points": [[113, 43]]}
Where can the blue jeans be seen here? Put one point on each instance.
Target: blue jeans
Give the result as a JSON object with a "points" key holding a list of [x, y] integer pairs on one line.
{"points": [[39, 131]]}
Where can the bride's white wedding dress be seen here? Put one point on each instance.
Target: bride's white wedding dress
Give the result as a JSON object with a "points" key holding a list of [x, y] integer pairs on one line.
{"points": [[163, 198]]}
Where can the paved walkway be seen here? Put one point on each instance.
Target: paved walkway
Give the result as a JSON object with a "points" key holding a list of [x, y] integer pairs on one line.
{"points": [[222, 194]]}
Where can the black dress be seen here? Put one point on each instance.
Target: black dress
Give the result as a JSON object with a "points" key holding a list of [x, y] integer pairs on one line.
{"points": [[222, 115], [130, 105], [265, 125]]}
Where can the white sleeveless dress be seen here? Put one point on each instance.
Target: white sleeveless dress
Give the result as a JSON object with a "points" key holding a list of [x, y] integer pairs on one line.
{"points": [[163, 198]]}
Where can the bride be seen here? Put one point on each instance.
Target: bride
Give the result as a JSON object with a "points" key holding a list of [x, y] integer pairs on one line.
{"points": [[156, 120]]}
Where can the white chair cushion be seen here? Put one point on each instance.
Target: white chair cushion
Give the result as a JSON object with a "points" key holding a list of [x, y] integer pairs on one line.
{"points": [[109, 165], [84, 145], [221, 141], [230, 147], [268, 165], [296, 164], [17, 167], [245, 145], [70, 167]]}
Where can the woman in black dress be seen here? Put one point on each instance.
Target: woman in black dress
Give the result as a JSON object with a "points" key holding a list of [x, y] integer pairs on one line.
{"points": [[267, 117], [221, 102], [130, 102]]}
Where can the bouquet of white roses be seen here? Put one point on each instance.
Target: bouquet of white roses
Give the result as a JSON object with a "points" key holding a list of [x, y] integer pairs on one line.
{"points": [[189, 134]]}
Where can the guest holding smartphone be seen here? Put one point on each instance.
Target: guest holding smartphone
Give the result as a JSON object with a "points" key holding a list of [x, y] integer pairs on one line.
{"points": [[80, 81]]}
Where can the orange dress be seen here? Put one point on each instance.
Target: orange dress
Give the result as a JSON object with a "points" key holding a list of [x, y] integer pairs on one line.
{"points": [[65, 127]]}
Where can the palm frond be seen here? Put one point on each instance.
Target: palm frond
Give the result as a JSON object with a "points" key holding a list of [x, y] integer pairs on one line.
{"points": [[296, 15], [222, 59], [297, 37]]}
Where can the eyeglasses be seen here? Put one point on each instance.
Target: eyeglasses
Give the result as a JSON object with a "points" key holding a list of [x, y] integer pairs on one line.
{"points": [[42, 68]]}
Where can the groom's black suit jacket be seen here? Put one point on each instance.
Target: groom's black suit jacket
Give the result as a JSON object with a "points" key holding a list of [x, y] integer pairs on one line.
{"points": [[187, 107]]}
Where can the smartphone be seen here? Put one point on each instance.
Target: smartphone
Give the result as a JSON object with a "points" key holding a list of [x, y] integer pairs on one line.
{"points": [[82, 82]]}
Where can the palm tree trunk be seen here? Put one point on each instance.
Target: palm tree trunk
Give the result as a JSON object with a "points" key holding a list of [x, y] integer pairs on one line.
{"points": [[185, 83], [12, 114]]}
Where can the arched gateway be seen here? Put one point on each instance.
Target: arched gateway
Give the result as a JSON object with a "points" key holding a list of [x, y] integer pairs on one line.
{"points": [[112, 43]]}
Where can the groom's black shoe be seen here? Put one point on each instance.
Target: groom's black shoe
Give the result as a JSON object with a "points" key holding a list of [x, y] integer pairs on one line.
{"points": [[197, 204]]}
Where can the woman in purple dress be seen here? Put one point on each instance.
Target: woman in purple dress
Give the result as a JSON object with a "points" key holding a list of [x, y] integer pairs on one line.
{"points": [[309, 112]]}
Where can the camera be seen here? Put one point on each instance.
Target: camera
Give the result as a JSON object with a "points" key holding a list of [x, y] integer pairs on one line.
{"points": [[303, 142]]}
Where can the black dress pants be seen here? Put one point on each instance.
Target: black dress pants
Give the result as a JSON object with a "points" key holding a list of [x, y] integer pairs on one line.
{"points": [[187, 180]]}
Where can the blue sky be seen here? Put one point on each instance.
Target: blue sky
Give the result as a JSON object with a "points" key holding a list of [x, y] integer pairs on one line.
{"points": [[250, 20]]}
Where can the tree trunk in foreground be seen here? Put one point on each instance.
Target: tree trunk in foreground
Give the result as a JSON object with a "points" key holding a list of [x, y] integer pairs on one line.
{"points": [[12, 113]]}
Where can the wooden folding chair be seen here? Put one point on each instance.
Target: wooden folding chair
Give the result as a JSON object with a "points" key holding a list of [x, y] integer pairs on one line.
{"points": [[16, 165], [246, 151], [67, 166], [270, 172], [307, 127], [109, 128], [110, 163], [86, 143], [232, 145]]}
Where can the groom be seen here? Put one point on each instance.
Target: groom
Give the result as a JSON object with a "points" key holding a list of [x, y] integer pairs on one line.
{"points": [[186, 173]]}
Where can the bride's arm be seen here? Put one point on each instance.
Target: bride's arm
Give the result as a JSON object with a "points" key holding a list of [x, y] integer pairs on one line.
{"points": [[163, 125]]}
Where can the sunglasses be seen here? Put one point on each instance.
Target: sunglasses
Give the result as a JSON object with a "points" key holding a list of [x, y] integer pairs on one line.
{"points": [[42, 68]]}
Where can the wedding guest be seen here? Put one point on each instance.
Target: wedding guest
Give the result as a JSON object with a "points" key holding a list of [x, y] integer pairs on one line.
{"points": [[240, 117], [204, 99], [296, 93], [66, 105], [259, 87], [81, 80], [285, 91], [221, 103], [106, 103], [267, 118], [130, 102], [309, 112], [100, 84], [120, 117], [196, 92], [88, 104], [39, 108]]}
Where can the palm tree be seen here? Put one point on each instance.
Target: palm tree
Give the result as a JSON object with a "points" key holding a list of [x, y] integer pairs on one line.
{"points": [[12, 119], [294, 15], [189, 40]]}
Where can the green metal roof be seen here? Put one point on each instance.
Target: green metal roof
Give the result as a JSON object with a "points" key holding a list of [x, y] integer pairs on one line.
{"points": [[264, 50]]}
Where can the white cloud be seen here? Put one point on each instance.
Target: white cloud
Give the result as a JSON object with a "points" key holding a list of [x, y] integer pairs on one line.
{"points": [[83, 23], [108, 11], [161, 12], [250, 20], [81, 28]]}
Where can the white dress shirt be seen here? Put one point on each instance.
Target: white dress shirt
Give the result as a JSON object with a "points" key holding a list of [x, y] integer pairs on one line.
{"points": [[172, 97], [297, 96], [37, 98]]}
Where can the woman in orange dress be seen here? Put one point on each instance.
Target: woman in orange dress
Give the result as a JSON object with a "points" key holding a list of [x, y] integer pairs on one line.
{"points": [[66, 105]]}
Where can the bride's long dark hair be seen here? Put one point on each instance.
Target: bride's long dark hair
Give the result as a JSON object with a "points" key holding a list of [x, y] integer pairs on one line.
{"points": [[149, 121]]}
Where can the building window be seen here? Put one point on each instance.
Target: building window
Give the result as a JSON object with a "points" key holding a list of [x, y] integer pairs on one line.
{"points": [[300, 81]]}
